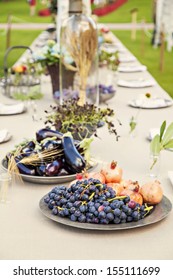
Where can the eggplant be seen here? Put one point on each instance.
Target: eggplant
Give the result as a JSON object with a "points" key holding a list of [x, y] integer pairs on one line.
{"points": [[72, 157], [46, 132], [63, 172], [51, 144], [52, 169], [23, 169], [30, 145], [26, 152], [41, 170]]}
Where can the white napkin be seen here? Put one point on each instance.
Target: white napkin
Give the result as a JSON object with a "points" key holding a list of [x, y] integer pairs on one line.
{"points": [[4, 135], [150, 102], [140, 83], [11, 109], [134, 68], [127, 58]]}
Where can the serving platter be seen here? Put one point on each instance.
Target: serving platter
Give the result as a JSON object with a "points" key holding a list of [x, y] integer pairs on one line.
{"points": [[153, 105], [49, 180], [160, 212]]}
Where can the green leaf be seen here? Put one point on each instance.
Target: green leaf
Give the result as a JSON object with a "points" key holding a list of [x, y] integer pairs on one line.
{"points": [[168, 134], [132, 124], [169, 144], [85, 144], [162, 129], [155, 146]]}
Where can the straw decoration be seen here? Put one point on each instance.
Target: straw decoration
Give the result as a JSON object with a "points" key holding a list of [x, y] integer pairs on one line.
{"points": [[82, 48]]}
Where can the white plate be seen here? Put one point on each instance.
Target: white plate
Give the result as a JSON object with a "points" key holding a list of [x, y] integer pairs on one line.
{"points": [[140, 83], [6, 138], [127, 58], [152, 104], [131, 69], [12, 109]]}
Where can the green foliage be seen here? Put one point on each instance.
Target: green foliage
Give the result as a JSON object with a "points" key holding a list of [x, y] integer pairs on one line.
{"points": [[122, 14], [132, 124], [20, 11], [163, 140], [48, 55], [27, 36], [111, 58], [70, 115], [33, 94]]}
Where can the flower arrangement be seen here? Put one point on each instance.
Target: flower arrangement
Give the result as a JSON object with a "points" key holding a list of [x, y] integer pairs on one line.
{"points": [[109, 57], [81, 121], [48, 55], [24, 81]]}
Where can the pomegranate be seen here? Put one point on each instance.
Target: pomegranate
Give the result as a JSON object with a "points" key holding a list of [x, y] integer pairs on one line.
{"points": [[152, 192], [135, 196], [118, 188], [96, 175], [112, 173]]}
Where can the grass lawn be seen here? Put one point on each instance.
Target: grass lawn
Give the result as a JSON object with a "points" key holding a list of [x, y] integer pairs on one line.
{"points": [[122, 14], [151, 59], [18, 37], [20, 10]]}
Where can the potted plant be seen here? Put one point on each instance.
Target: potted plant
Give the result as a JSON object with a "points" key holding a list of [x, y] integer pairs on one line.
{"points": [[49, 58], [81, 121]]}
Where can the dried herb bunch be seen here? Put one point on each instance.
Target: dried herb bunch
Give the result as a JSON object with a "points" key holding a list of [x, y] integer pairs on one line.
{"points": [[82, 47], [72, 117]]}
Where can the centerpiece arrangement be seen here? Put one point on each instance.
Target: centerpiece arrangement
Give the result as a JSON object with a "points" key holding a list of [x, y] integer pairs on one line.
{"points": [[81, 121], [79, 38], [49, 58]]}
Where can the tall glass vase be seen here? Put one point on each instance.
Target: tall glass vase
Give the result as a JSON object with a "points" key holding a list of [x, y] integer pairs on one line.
{"points": [[78, 45]]}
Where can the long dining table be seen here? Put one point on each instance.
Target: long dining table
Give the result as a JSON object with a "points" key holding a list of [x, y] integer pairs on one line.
{"points": [[25, 233]]}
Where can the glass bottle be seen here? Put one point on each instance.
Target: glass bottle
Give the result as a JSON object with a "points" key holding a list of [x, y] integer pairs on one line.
{"points": [[79, 57]]}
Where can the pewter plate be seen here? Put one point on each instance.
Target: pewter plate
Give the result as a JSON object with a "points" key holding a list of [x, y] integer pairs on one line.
{"points": [[160, 212], [168, 103], [48, 180]]}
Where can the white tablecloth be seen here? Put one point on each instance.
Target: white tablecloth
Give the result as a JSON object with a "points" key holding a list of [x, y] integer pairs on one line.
{"points": [[26, 234]]}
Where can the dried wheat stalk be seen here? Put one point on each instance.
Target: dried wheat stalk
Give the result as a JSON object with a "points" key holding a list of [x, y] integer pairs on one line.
{"points": [[82, 49]]}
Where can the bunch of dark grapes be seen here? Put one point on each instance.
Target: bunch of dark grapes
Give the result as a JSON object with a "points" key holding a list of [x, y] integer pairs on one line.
{"points": [[90, 201]]}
